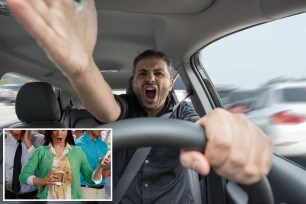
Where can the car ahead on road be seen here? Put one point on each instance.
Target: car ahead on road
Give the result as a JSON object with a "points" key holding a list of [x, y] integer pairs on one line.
{"points": [[224, 92], [280, 111], [240, 101], [8, 93], [180, 28]]}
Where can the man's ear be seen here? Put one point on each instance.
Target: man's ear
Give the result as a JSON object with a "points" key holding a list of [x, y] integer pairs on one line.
{"points": [[171, 84]]}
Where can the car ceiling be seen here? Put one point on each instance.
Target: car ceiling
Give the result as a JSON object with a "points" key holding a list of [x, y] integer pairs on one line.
{"points": [[126, 28]]}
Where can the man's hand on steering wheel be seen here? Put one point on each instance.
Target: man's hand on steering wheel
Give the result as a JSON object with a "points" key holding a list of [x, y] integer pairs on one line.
{"points": [[236, 149]]}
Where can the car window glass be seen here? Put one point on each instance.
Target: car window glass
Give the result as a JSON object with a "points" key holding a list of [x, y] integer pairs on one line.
{"points": [[262, 60], [181, 91], [9, 87], [179, 88]]}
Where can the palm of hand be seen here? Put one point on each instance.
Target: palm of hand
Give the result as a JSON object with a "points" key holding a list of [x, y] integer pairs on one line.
{"points": [[66, 32]]}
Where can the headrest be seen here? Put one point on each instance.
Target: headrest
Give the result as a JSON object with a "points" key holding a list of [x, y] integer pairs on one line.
{"points": [[36, 101]]}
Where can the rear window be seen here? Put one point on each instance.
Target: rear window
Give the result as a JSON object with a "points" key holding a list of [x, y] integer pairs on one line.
{"points": [[294, 95]]}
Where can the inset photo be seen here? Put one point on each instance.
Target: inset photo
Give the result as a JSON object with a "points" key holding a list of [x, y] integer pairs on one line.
{"points": [[57, 164]]}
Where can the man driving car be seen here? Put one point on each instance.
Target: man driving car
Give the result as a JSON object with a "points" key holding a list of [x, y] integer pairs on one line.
{"points": [[239, 151]]}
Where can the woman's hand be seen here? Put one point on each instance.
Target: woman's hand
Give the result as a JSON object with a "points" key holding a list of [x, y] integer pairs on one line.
{"points": [[50, 179], [106, 173]]}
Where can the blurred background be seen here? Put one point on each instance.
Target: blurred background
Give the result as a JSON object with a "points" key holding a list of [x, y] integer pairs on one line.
{"points": [[261, 72]]}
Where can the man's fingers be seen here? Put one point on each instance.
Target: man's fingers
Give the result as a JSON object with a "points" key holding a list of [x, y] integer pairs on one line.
{"points": [[32, 21], [194, 160], [240, 153], [90, 4], [258, 163], [43, 9], [218, 144], [236, 149]]}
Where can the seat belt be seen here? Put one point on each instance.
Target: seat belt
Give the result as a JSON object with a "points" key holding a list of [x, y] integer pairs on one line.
{"points": [[134, 165]]}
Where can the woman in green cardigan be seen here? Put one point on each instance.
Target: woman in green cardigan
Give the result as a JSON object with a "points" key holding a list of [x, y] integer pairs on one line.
{"points": [[59, 163]]}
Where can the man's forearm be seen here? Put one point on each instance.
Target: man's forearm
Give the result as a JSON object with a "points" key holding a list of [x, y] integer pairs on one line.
{"points": [[95, 94]]}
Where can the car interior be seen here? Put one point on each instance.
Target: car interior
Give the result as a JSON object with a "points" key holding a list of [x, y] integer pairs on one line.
{"points": [[126, 28]]}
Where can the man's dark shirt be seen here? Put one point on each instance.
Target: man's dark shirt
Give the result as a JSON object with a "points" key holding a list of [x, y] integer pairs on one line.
{"points": [[161, 179]]}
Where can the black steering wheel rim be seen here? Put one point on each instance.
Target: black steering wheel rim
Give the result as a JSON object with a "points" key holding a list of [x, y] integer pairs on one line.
{"points": [[161, 132]]}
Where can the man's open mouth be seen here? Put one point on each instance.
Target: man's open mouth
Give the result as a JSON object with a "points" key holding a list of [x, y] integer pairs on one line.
{"points": [[150, 93]]}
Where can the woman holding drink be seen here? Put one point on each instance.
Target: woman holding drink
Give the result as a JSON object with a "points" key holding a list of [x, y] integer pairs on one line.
{"points": [[59, 163]]}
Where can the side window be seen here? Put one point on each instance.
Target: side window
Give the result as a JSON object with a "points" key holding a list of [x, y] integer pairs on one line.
{"points": [[269, 55], [9, 87], [181, 91]]}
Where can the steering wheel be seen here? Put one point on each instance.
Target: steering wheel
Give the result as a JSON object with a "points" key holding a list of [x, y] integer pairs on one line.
{"points": [[161, 132]]}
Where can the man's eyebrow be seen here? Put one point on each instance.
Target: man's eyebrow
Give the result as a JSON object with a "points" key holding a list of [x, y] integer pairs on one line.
{"points": [[142, 70], [159, 70], [148, 69]]}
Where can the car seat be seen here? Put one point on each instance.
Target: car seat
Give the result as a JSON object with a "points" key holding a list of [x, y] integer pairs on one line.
{"points": [[37, 107], [79, 118], [73, 114]]}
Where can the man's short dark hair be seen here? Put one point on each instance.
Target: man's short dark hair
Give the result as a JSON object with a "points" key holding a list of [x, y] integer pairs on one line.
{"points": [[151, 53]]}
